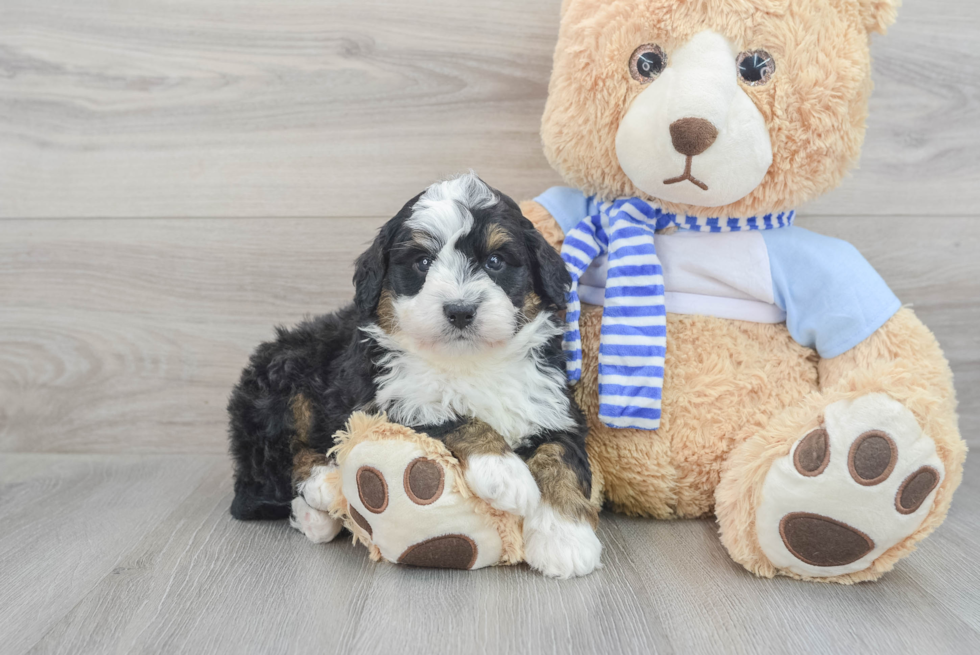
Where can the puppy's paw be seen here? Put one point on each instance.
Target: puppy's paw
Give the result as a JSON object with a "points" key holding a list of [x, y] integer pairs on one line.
{"points": [[504, 481], [314, 489], [560, 547], [319, 527]]}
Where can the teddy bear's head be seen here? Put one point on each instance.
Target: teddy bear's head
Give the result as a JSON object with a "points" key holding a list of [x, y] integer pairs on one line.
{"points": [[711, 107]]}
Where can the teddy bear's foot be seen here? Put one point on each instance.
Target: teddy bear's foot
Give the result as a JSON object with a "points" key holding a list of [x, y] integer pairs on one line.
{"points": [[319, 527], [849, 490], [503, 481], [405, 503], [560, 547]]}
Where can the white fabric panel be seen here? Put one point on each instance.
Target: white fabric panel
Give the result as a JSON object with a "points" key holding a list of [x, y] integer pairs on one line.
{"points": [[724, 274], [735, 309]]}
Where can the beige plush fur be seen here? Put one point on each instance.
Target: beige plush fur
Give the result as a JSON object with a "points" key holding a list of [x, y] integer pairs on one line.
{"points": [[736, 395], [744, 373], [815, 106], [902, 360], [366, 427]]}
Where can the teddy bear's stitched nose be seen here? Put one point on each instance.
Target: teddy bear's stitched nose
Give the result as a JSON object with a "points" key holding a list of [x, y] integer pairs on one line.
{"points": [[692, 136]]}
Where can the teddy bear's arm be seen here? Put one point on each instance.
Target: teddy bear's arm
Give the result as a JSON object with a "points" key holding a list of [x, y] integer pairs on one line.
{"points": [[896, 388], [543, 222], [903, 360]]}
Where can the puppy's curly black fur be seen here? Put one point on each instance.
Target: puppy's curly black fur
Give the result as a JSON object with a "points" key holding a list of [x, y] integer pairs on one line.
{"points": [[318, 359], [325, 360], [300, 389]]}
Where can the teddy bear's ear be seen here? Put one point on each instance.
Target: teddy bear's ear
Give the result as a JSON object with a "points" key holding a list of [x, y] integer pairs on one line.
{"points": [[878, 14]]}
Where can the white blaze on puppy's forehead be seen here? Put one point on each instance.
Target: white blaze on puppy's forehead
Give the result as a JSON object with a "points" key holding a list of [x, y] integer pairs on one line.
{"points": [[443, 211], [454, 278]]}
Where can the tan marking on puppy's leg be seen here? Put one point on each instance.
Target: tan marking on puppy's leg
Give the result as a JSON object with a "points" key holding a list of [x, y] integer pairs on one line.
{"points": [[310, 469], [302, 417], [304, 462], [309, 466], [560, 486], [386, 312], [304, 459], [475, 438], [492, 470]]}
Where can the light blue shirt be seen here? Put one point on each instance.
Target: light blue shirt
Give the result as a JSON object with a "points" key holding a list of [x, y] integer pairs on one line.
{"points": [[832, 297]]}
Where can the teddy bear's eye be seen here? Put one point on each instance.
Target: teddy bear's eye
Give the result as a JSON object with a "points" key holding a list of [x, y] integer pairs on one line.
{"points": [[756, 67], [647, 62]]}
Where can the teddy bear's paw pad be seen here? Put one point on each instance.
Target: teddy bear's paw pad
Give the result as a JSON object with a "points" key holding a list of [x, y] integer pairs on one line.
{"points": [[451, 551], [372, 489], [319, 527], [359, 519], [915, 489], [406, 503], [315, 489], [424, 481], [504, 481], [849, 490], [822, 541], [560, 547]]}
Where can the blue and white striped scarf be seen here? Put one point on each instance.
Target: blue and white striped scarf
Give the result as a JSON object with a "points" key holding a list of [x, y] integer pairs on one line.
{"points": [[633, 341]]}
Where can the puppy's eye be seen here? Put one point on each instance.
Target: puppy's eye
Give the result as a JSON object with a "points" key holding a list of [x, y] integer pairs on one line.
{"points": [[422, 264], [647, 62], [756, 67], [494, 263]]}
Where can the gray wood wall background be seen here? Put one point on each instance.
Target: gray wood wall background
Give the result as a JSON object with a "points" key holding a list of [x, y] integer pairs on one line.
{"points": [[177, 176]]}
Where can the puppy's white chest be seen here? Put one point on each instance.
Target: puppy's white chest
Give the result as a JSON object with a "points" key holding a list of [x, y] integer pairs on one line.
{"points": [[515, 396]]}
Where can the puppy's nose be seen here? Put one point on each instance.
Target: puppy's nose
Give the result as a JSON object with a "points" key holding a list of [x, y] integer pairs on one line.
{"points": [[460, 316], [692, 136]]}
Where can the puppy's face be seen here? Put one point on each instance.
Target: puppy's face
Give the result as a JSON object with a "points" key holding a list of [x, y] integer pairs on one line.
{"points": [[462, 269]]}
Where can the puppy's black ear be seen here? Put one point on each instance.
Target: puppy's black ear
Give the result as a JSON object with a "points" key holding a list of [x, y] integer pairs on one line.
{"points": [[551, 278], [371, 268]]}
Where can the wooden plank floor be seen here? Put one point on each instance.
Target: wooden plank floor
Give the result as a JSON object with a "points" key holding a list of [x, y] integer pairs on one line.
{"points": [[118, 344], [177, 177], [121, 553]]}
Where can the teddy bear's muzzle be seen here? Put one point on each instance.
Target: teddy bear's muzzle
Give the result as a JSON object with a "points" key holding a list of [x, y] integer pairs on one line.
{"points": [[695, 118], [692, 136]]}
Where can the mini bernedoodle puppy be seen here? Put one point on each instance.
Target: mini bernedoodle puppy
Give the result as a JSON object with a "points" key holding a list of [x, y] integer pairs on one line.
{"points": [[453, 332]]}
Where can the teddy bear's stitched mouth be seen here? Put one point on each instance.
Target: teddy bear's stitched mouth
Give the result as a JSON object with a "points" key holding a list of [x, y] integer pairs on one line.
{"points": [[686, 175]]}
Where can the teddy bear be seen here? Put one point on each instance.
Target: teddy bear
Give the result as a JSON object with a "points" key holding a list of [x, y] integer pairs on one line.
{"points": [[403, 495], [729, 363]]}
